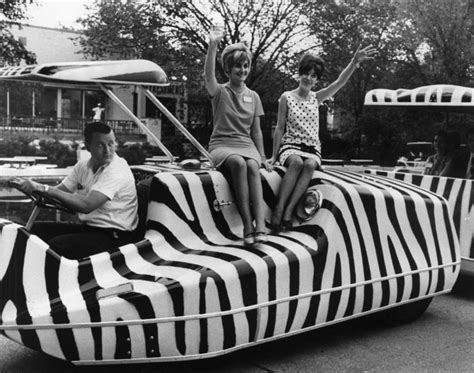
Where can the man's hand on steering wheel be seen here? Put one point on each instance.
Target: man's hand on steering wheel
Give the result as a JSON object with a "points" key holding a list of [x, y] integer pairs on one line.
{"points": [[37, 192], [28, 186]]}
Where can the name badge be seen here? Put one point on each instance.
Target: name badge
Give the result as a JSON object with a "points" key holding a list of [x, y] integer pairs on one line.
{"points": [[248, 99]]}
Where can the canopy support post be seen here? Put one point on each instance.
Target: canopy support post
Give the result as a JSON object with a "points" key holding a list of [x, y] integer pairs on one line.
{"points": [[137, 121], [177, 124]]}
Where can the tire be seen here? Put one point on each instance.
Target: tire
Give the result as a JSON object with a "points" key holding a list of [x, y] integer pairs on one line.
{"points": [[405, 313]]}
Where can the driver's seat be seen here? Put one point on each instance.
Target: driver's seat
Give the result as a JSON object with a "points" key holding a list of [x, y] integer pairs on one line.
{"points": [[143, 196]]}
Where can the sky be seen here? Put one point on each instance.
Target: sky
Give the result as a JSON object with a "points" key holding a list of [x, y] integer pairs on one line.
{"points": [[56, 14]]}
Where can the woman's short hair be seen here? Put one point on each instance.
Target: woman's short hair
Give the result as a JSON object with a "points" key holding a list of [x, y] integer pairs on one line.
{"points": [[309, 62], [234, 54]]}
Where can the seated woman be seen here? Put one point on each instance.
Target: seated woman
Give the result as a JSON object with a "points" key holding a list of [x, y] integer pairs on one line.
{"points": [[236, 143], [436, 163], [296, 143]]}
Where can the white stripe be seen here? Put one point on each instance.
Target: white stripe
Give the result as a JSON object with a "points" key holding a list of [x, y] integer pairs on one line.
{"points": [[37, 299], [7, 242], [71, 296]]}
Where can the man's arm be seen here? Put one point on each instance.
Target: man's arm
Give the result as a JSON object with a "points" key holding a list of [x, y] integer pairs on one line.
{"points": [[76, 202]]}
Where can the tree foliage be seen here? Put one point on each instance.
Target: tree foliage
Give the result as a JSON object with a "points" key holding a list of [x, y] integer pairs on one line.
{"points": [[420, 42], [175, 34], [12, 52], [440, 40]]}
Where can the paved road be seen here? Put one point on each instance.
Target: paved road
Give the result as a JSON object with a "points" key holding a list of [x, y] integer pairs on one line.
{"points": [[442, 340]]}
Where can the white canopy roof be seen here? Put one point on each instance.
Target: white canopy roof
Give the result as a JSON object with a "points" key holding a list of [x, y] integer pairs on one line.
{"points": [[140, 72], [440, 96]]}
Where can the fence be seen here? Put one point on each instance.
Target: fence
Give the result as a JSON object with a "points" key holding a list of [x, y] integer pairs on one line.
{"points": [[59, 126]]}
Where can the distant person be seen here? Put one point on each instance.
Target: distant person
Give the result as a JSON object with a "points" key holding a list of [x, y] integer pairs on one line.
{"points": [[101, 190], [470, 144], [436, 163], [236, 143], [457, 157], [98, 112], [296, 143]]}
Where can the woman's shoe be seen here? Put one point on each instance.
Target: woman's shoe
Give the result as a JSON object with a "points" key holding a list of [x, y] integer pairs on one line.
{"points": [[286, 225], [260, 237], [249, 239], [272, 227]]}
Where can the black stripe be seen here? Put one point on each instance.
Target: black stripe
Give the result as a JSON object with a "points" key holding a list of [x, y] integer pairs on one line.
{"points": [[335, 296], [320, 264], [398, 268], [145, 309], [58, 310], [10, 289], [123, 344], [89, 287]]}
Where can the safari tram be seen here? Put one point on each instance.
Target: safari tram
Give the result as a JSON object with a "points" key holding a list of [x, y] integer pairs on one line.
{"points": [[189, 288], [459, 192]]}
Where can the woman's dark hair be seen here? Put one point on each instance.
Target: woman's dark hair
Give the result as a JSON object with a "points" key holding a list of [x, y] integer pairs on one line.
{"points": [[454, 140], [92, 127], [309, 62], [234, 54], [443, 134]]}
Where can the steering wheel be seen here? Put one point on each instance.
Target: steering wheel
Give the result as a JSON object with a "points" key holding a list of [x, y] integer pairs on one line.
{"points": [[42, 200]]}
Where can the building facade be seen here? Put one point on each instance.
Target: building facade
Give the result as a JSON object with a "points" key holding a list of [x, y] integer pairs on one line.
{"points": [[65, 107]]}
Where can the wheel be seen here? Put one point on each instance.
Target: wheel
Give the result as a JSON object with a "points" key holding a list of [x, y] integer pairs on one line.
{"points": [[405, 313], [41, 200]]}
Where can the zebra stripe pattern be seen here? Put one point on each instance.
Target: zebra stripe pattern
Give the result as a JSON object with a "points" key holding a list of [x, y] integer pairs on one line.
{"points": [[197, 291], [432, 95], [459, 194]]}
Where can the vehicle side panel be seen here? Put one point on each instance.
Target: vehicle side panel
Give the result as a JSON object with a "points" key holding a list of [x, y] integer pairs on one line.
{"points": [[460, 196]]}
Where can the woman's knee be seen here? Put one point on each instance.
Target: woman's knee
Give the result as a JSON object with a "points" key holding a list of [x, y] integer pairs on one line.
{"points": [[253, 167], [235, 164], [310, 165], [294, 162]]}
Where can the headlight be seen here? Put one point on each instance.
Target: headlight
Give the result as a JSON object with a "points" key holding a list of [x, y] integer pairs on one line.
{"points": [[309, 204]]}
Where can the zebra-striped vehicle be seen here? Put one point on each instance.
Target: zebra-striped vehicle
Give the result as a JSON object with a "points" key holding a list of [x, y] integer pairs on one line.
{"points": [[458, 192], [191, 289]]}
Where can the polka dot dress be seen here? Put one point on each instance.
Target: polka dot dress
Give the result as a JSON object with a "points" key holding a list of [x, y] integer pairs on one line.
{"points": [[302, 129]]}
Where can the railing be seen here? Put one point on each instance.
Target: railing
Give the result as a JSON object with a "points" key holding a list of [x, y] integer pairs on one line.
{"points": [[50, 125]]}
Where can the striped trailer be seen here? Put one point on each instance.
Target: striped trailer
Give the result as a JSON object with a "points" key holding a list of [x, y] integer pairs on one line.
{"points": [[458, 192], [192, 290]]}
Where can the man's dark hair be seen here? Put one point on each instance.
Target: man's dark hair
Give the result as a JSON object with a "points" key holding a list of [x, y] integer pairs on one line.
{"points": [[308, 62], [92, 127]]}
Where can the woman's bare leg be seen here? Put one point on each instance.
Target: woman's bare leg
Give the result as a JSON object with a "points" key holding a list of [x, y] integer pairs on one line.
{"points": [[309, 165], [256, 194], [238, 169], [294, 165]]}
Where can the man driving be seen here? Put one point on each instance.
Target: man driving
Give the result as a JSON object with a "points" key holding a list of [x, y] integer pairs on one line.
{"points": [[101, 190]]}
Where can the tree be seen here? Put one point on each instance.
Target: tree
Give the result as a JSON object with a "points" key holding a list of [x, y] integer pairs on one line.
{"points": [[340, 28], [440, 40], [136, 30], [273, 30], [174, 34], [12, 51]]}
